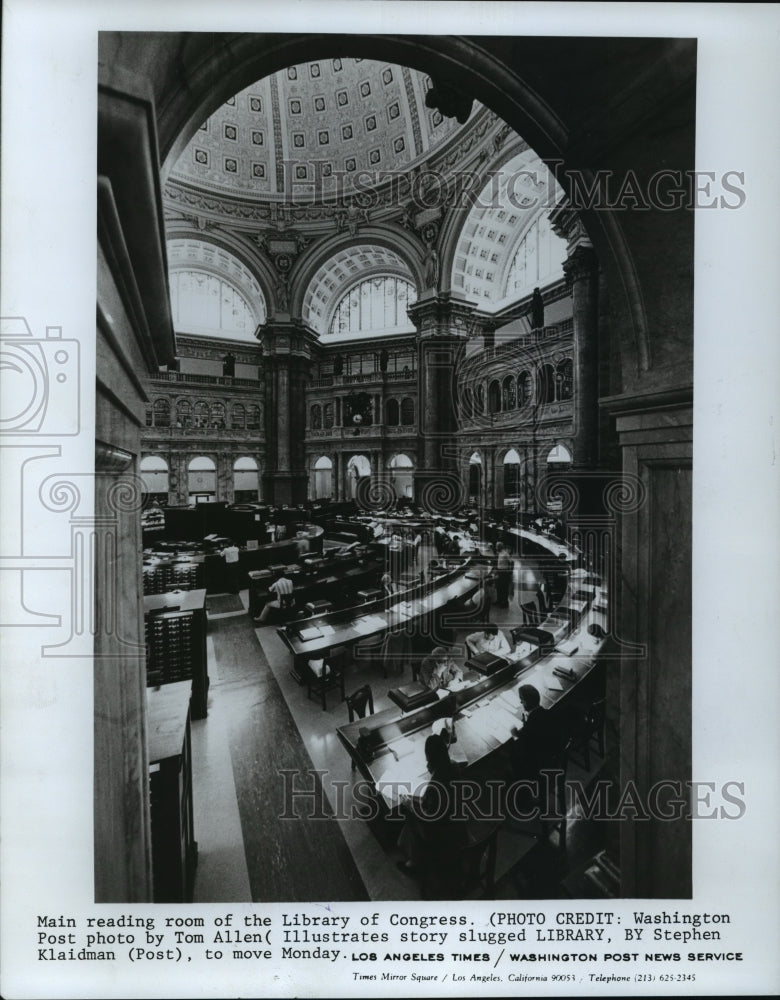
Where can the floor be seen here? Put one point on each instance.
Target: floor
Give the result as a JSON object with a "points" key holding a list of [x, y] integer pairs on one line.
{"points": [[273, 787]]}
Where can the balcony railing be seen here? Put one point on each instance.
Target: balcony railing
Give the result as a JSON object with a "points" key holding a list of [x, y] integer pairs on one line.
{"points": [[326, 381], [204, 432], [563, 329], [366, 431], [525, 415], [224, 380]]}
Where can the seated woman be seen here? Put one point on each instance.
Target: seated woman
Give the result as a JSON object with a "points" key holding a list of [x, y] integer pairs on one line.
{"points": [[438, 670], [435, 827]]}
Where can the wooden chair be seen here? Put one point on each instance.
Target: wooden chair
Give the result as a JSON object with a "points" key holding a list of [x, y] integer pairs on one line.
{"points": [[587, 730], [331, 676], [360, 703]]}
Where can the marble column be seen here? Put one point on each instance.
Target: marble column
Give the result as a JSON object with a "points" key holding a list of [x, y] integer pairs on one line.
{"points": [[582, 274], [443, 326], [287, 352], [581, 269]]}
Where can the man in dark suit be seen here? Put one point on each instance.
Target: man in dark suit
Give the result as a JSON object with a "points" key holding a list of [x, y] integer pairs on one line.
{"points": [[537, 743]]}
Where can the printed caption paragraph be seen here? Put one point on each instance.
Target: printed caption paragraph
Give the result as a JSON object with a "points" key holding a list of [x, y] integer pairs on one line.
{"points": [[512, 945]]}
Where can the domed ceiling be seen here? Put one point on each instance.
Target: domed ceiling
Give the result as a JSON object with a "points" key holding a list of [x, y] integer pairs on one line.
{"points": [[314, 124]]}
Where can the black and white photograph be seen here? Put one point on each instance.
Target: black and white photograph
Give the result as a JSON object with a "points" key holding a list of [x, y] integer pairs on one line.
{"points": [[388, 582]]}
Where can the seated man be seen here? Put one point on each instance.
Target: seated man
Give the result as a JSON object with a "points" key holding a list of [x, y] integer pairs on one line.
{"points": [[489, 640], [282, 590], [439, 669], [388, 586]]}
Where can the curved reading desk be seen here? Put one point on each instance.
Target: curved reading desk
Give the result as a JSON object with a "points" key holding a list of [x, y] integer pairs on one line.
{"points": [[555, 657]]}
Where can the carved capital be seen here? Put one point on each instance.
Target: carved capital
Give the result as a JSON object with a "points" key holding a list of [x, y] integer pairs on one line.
{"points": [[580, 265]]}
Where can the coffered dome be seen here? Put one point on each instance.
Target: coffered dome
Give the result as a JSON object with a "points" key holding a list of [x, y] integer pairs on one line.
{"points": [[315, 124]]}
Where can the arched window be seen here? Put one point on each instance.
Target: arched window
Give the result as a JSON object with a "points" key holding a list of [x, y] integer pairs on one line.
{"points": [[407, 411], [508, 393], [373, 304], [315, 418], [393, 413], [323, 477], [511, 475], [218, 416], [201, 480], [327, 415], [545, 384], [162, 413], [401, 478], [538, 259], [358, 468], [559, 455], [524, 388], [475, 477], [246, 480], [481, 398], [564, 379], [200, 412], [184, 413], [494, 396], [154, 475], [253, 418], [204, 303], [238, 417]]}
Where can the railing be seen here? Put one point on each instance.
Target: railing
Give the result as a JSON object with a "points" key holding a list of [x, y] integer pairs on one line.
{"points": [[366, 431], [525, 415], [249, 383], [203, 432], [325, 381], [552, 332]]}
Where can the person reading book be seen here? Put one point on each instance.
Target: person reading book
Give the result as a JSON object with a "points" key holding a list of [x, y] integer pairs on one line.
{"points": [[488, 640]]}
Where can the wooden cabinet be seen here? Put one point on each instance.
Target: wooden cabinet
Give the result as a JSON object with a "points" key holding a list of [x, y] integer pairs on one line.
{"points": [[176, 643], [174, 850]]}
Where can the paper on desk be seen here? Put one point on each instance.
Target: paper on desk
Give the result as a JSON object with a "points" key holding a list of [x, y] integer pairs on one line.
{"points": [[368, 624], [503, 721], [326, 629], [481, 722], [404, 775]]}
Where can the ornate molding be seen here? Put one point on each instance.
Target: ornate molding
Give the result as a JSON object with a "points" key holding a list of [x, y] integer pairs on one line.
{"points": [[581, 264], [567, 224]]}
